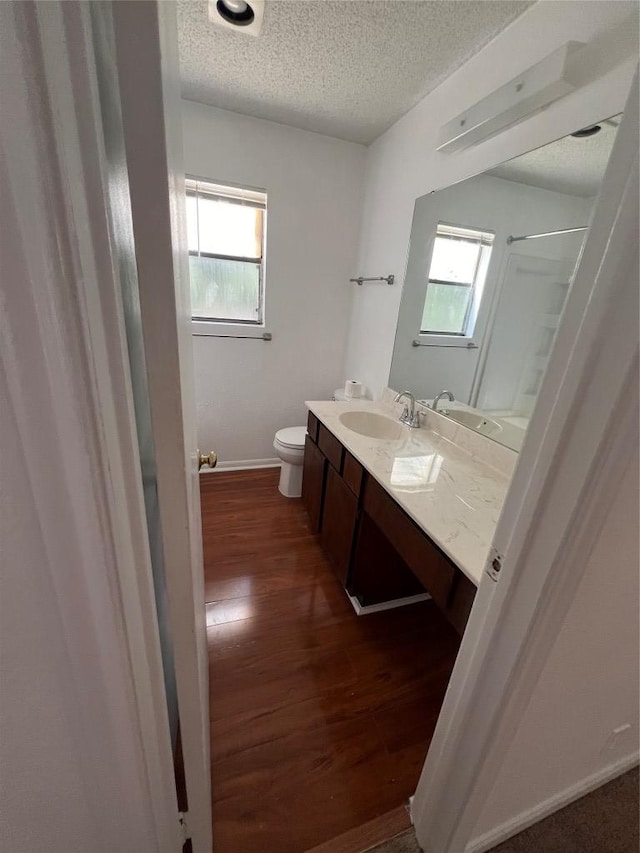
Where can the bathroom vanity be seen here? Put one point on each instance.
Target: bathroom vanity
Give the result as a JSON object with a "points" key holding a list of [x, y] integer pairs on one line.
{"points": [[399, 511]]}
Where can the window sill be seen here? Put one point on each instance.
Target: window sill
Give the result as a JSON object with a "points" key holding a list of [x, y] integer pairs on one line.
{"points": [[444, 341], [206, 328]]}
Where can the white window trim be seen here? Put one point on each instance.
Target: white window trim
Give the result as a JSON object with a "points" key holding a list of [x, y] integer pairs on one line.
{"points": [[428, 339], [202, 327], [215, 329]]}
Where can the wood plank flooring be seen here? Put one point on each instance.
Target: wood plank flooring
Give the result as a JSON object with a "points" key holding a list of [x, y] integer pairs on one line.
{"points": [[370, 834], [320, 720]]}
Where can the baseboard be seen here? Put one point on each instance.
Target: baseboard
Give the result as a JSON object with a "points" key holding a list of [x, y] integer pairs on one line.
{"points": [[242, 465], [362, 610], [527, 818]]}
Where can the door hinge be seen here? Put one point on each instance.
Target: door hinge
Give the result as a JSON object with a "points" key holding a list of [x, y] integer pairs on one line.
{"points": [[184, 827], [494, 564]]}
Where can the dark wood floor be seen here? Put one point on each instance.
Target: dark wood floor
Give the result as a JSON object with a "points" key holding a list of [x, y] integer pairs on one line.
{"points": [[320, 720]]}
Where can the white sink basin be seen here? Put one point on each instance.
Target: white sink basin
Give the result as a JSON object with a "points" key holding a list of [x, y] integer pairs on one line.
{"points": [[473, 420], [371, 424]]}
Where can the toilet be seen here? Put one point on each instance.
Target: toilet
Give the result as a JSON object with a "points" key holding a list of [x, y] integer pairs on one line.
{"points": [[289, 446]]}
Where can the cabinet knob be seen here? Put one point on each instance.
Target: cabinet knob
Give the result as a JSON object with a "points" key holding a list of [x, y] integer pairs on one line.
{"points": [[209, 459]]}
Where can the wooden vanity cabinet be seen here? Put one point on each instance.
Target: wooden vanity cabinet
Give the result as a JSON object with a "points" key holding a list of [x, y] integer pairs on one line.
{"points": [[338, 523], [331, 448], [313, 478], [313, 425], [352, 473], [377, 551]]}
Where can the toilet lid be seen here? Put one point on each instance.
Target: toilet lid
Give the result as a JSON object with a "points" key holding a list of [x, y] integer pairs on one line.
{"points": [[291, 436]]}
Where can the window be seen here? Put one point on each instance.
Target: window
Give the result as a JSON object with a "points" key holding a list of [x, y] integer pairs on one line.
{"points": [[457, 274], [226, 236]]}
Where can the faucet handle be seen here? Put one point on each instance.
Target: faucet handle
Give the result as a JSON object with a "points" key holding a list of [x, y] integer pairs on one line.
{"points": [[419, 418]]}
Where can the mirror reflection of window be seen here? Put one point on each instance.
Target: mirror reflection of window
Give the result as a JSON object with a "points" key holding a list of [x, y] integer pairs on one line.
{"points": [[457, 274], [509, 238], [416, 472]]}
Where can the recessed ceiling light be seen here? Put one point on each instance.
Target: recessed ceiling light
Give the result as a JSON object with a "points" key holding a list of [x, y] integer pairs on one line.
{"points": [[587, 131], [243, 16], [236, 12]]}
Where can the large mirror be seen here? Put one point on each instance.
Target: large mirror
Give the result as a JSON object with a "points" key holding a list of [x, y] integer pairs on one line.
{"points": [[490, 264]]}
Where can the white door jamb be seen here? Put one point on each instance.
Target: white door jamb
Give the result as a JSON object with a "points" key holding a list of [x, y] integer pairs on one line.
{"points": [[146, 36], [67, 367]]}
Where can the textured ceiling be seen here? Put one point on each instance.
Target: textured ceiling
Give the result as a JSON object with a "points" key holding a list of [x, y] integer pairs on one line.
{"points": [[569, 165], [348, 69]]}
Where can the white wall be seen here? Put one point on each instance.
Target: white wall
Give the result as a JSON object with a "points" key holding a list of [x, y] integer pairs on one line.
{"points": [[589, 685], [497, 205], [248, 389], [403, 163]]}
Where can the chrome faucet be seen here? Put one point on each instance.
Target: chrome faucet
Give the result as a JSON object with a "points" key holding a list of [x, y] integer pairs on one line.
{"points": [[438, 397], [409, 417]]}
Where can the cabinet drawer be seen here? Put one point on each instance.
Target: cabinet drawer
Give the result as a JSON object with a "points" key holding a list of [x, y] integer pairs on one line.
{"points": [[431, 567], [312, 427], [352, 473], [331, 447]]}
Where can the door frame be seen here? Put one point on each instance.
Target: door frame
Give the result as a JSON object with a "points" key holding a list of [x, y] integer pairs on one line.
{"points": [[146, 41], [68, 370], [575, 451], [574, 441]]}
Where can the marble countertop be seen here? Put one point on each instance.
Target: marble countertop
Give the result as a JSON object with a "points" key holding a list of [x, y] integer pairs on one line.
{"points": [[452, 494]]}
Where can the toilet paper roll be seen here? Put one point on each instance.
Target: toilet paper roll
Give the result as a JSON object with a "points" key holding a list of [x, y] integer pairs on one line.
{"points": [[352, 389]]}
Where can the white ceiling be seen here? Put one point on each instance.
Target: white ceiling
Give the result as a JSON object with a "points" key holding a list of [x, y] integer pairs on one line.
{"points": [[569, 165], [348, 69]]}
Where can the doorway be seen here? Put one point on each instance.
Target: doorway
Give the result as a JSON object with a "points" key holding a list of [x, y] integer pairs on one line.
{"points": [[227, 607]]}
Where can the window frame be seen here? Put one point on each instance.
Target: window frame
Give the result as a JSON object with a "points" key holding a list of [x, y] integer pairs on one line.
{"points": [[466, 339], [224, 327]]}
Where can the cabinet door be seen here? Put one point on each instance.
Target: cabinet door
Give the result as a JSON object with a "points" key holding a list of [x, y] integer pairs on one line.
{"points": [[338, 523], [313, 477]]}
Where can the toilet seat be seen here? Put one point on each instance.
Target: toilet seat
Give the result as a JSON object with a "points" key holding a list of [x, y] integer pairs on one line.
{"points": [[292, 437]]}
